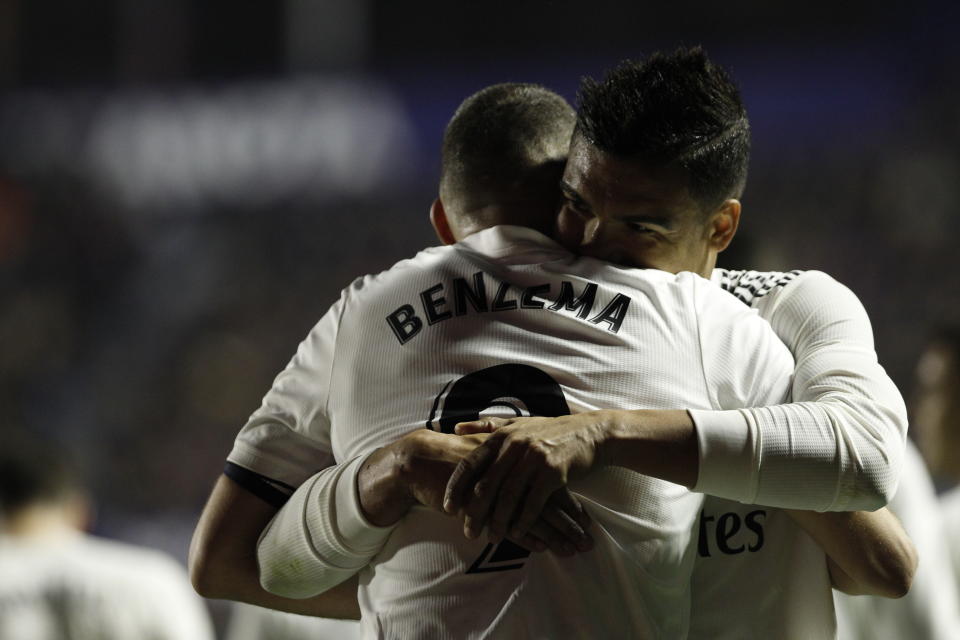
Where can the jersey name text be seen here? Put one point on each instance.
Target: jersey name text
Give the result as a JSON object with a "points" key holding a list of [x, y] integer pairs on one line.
{"points": [[446, 300]]}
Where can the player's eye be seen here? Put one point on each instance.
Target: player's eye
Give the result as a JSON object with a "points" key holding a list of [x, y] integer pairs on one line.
{"points": [[640, 228], [575, 203]]}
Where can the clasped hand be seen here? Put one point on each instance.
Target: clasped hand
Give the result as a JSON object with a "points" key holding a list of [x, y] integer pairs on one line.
{"points": [[426, 461], [508, 480]]}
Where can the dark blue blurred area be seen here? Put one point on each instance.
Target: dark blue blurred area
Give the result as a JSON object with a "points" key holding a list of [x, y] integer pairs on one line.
{"points": [[187, 186]]}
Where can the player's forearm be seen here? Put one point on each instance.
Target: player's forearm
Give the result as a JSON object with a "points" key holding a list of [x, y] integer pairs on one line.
{"points": [[844, 437], [320, 537], [661, 444], [223, 562], [839, 445], [242, 584], [869, 552]]}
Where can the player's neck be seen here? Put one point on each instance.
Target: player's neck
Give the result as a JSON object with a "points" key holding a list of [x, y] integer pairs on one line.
{"points": [[40, 522]]}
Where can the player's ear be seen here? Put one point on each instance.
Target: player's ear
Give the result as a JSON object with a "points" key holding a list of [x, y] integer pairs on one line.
{"points": [[438, 218], [724, 223]]}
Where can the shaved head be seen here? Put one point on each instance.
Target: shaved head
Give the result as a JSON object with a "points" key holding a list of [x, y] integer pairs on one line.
{"points": [[503, 154]]}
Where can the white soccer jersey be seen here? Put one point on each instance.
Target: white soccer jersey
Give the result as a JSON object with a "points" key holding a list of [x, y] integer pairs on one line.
{"points": [[85, 588], [950, 507], [507, 318], [931, 609], [758, 575], [248, 622]]}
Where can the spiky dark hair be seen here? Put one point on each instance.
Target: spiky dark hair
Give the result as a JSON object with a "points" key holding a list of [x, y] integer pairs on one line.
{"points": [[677, 110]]}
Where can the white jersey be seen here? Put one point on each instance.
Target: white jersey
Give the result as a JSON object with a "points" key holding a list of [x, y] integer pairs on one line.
{"points": [[950, 507], [930, 610], [78, 587], [248, 622], [508, 319], [758, 575]]}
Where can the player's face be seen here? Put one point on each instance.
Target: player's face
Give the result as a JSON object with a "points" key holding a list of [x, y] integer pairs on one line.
{"points": [[935, 421], [626, 212]]}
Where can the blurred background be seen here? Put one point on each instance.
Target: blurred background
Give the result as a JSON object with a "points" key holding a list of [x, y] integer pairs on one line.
{"points": [[186, 186]]}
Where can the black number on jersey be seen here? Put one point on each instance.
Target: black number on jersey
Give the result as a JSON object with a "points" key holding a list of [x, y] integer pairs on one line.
{"points": [[502, 390]]}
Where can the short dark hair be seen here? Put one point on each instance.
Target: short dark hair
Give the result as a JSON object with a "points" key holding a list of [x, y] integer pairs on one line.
{"points": [[32, 471], [497, 141], [677, 110]]}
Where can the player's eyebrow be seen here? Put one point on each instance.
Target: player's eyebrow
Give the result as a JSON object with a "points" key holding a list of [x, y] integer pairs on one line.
{"points": [[570, 192], [667, 222]]}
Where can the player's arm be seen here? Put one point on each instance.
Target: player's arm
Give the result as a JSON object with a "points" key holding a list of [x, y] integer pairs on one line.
{"points": [[223, 557], [843, 436], [284, 442], [527, 459], [336, 522], [841, 441], [868, 553]]}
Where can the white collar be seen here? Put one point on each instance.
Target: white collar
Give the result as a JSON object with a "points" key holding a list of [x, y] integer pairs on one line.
{"points": [[512, 240]]}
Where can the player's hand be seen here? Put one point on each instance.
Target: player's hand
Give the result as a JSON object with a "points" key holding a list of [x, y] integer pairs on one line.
{"points": [[413, 469], [425, 460], [505, 482], [563, 527]]}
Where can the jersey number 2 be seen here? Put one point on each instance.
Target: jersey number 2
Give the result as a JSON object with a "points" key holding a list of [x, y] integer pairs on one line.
{"points": [[505, 389]]}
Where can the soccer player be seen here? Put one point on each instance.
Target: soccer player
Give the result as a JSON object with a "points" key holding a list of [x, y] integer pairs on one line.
{"points": [[632, 191], [57, 582], [506, 318], [932, 608], [819, 565]]}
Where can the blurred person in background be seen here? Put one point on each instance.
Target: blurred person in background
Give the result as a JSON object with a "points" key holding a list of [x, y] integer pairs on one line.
{"points": [[931, 609], [59, 583], [936, 419], [936, 426]]}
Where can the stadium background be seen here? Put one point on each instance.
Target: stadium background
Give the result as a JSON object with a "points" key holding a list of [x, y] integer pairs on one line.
{"points": [[186, 186]]}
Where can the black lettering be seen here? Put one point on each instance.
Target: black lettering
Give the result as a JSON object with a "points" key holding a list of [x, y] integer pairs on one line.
{"points": [[430, 304], [727, 526], [584, 302], [751, 520], [614, 313], [529, 301], [500, 303], [703, 542], [462, 292], [405, 323]]}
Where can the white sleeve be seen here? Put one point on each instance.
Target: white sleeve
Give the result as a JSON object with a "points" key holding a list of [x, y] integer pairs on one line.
{"points": [[320, 537], [744, 365], [287, 439], [839, 446]]}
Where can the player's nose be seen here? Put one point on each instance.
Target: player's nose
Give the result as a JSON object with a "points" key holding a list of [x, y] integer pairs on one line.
{"points": [[592, 232], [598, 241]]}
